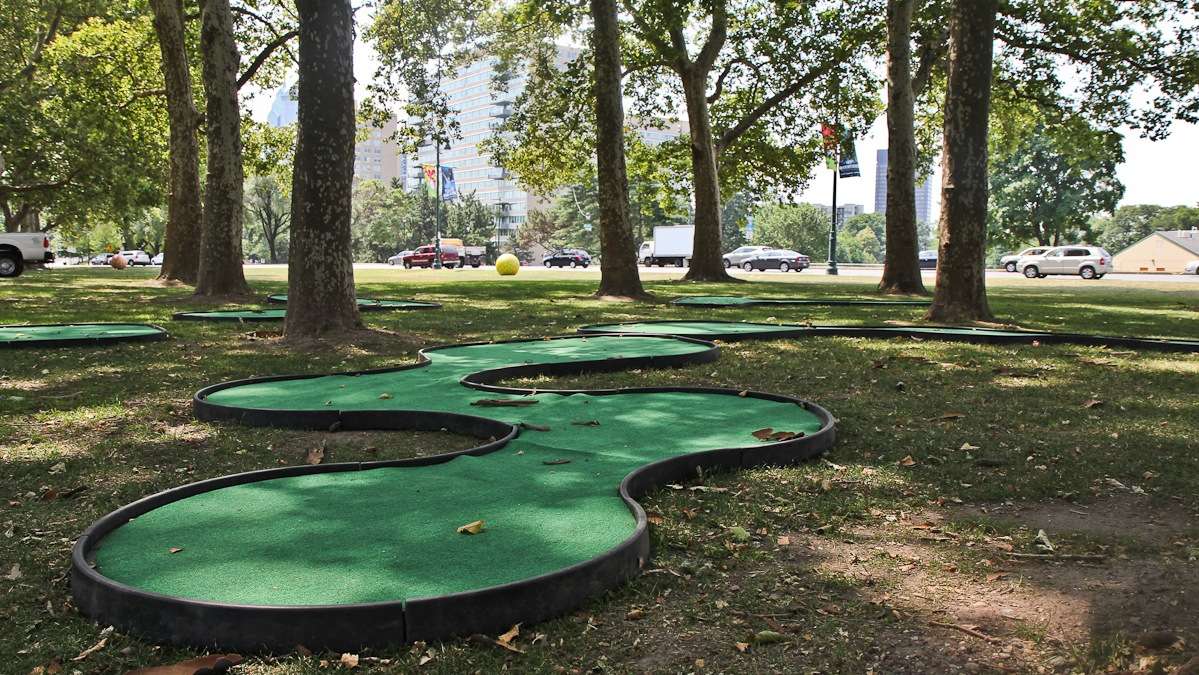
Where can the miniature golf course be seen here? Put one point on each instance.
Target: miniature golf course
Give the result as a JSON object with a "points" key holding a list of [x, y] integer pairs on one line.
{"points": [[740, 330], [370, 303], [720, 301], [347, 555], [62, 335]]}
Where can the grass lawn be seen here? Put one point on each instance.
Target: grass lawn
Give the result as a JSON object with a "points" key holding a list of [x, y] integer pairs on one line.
{"points": [[893, 554]]}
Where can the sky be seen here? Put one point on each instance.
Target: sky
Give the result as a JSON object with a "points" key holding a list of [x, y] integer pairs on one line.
{"points": [[1161, 172]]}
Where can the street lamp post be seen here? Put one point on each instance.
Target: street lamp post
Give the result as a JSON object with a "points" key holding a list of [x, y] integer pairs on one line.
{"points": [[832, 230], [437, 206]]}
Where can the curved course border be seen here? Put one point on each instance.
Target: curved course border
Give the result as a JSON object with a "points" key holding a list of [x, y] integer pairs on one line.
{"points": [[725, 301], [253, 627], [238, 315], [87, 334], [739, 330], [371, 304]]}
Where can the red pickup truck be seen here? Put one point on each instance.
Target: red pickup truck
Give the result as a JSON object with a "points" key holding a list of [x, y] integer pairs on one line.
{"points": [[423, 257]]}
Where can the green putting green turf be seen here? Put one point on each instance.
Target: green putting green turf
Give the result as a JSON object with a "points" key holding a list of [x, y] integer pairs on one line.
{"points": [[709, 328], [13, 335], [734, 301], [371, 303], [549, 498]]}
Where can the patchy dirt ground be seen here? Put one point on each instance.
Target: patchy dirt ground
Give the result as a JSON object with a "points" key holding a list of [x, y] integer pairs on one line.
{"points": [[987, 611]]}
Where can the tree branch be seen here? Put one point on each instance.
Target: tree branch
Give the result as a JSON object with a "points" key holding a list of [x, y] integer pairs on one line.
{"points": [[647, 31], [730, 136], [264, 55], [931, 53], [34, 58], [716, 37]]}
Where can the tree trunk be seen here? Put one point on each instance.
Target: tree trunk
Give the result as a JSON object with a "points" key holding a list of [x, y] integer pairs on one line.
{"points": [[618, 254], [320, 270], [220, 242], [706, 261], [901, 267], [185, 212], [961, 293]]}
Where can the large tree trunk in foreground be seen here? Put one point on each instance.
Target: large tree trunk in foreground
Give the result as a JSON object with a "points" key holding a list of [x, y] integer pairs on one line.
{"points": [[220, 242], [706, 261], [185, 213], [901, 268], [618, 254], [320, 271], [961, 293]]}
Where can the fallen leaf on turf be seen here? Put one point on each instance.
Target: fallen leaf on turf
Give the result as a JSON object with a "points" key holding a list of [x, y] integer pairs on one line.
{"points": [[384, 396], [14, 573], [996, 576], [743, 394], [533, 427], [739, 533], [1092, 403], [908, 460], [555, 462], [967, 446], [474, 527], [315, 456], [52, 668], [763, 434], [784, 541], [949, 416], [504, 402], [765, 637], [174, 549], [509, 635], [654, 518], [1042, 541], [635, 614], [587, 423], [769, 434], [349, 660], [91, 650], [741, 646], [189, 667]]}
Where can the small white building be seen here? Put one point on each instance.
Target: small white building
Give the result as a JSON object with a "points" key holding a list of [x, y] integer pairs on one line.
{"points": [[1163, 252]]}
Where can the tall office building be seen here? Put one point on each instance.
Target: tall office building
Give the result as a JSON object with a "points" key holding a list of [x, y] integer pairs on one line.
{"points": [[924, 191], [844, 211], [375, 158]]}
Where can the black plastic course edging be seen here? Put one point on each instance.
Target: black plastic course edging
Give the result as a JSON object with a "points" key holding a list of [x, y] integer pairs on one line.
{"points": [[281, 299], [353, 626], [691, 301], [207, 315], [159, 333], [946, 333]]}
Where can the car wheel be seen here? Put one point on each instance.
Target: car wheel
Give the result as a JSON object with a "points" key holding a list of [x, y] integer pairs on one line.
{"points": [[678, 263], [784, 268], [1098, 276], [1032, 272], [1087, 272], [391, 262], [585, 265], [748, 267], [727, 263], [573, 264], [407, 265], [11, 265], [1011, 267], [1042, 276]]}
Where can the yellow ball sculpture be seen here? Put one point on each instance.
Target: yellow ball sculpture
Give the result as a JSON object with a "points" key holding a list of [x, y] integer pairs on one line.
{"points": [[507, 265]]}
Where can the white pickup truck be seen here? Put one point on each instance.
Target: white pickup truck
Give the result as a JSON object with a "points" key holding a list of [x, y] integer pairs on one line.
{"points": [[21, 249]]}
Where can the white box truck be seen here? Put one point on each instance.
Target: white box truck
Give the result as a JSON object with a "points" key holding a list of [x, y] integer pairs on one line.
{"points": [[671, 245]]}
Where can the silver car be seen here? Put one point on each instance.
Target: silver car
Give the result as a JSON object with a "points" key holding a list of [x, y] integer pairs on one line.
{"points": [[1088, 262], [736, 257], [1191, 268], [398, 259], [1008, 262]]}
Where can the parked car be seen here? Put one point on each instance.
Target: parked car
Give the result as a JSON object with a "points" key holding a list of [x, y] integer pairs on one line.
{"points": [[1191, 268], [424, 256], [19, 250], [737, 256], [398, 259], [102, 259], [136, 257], [1088, 262], [567, 257], [157, 260], [779, 259], [1008, 262], [928, 260]]}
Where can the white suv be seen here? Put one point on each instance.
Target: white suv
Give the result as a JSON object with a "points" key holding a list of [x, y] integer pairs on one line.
{"points": [[1088, 262], [136, 257], [1008, 262], [735, 258]]}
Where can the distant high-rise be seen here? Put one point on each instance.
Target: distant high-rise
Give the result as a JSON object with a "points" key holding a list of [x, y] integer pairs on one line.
{"points": [[284, 110], [924, 192], [844, 211]]}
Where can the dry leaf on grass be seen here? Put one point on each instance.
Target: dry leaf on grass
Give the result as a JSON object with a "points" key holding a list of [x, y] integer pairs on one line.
{"points": [[14, 573], [91, 650], [1092, 403], [474, 527], [349, 660], [741, 646], [315, 456], [908, 460], [949, 416]]}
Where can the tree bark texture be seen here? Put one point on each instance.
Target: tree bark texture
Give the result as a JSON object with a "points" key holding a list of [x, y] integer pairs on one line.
{"points": [[320, 271], [185, 212], [618, 253], [961, 293], [901, 266], [220, 241], [706, 261]]}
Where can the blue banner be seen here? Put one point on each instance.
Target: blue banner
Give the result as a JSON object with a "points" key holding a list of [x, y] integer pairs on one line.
{"points": [[449, 187]]}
